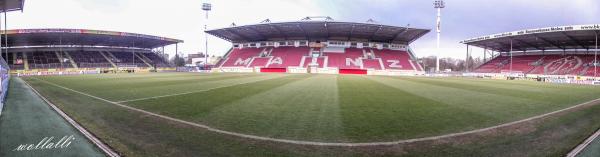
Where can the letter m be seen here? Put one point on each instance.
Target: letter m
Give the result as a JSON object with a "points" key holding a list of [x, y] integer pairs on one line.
{"points": [[20, 147]]}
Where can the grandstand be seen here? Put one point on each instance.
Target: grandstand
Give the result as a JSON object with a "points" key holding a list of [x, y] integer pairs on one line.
{"points": [[542, 52], [320, 46], [50, 51]]}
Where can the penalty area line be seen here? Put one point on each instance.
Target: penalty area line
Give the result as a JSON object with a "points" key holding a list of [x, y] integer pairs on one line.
{"points": [[336, 144]]}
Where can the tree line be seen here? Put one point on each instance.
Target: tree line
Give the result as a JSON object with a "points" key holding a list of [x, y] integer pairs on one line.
{"points": [[453, 64]]}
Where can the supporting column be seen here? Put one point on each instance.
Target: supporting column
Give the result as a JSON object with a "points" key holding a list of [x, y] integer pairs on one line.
{"points": [[133, 53], [484, 54], [60, 58], [14, 58], [5, 33], [511, 56], [108, 59], [163, 54], [141, 57], [25, 61], [1, 48], [176, 53], [71, 60], [467, 60], [596, 57]]}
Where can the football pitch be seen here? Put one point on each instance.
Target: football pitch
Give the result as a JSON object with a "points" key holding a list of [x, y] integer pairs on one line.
{"points": [[250, 114]]}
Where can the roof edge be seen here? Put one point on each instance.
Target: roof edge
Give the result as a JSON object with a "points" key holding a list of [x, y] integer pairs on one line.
{"points": [[588, 27], [87, 31]]}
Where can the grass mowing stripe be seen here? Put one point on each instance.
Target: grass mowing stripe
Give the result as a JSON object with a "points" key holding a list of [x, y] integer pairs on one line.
{"points": [[562, 97], [185, 93], [140, 134], [196, 105], [127, 92], [158, 90], [147, 82], [303, 110], [164, 81], [528, 83], [134, 133], [492, 89], [501, 108], [506, 86], [372, 111]]}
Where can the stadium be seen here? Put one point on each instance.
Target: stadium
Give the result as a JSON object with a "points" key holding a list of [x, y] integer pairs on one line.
{"points": [[311, 87], [566, 51], [54, 51], [320, 46]]}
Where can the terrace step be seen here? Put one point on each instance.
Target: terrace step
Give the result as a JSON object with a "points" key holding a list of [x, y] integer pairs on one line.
{"points": [[143, 60], [60, 58]]}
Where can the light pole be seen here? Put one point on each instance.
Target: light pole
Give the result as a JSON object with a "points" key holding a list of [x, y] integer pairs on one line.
{"points": [[596, 57], [438, 4], [206, 7]]}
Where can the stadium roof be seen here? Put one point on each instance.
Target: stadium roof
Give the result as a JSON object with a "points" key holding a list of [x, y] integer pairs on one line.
{"points": [[48, 37], [551, 38], [11, 5], [318, 30]]}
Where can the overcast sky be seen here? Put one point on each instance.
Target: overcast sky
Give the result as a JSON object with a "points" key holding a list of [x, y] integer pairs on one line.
{"points": [[184, 19]]}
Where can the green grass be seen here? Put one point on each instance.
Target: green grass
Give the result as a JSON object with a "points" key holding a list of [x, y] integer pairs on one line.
{"points": [[328, 108]]}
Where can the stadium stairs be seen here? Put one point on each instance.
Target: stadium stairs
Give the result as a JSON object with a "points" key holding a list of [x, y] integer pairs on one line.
{"points": [[140, 57], [108, 59]]}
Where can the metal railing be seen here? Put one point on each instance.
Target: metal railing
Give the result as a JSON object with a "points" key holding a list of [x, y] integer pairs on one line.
{"points": [[4, 79]]}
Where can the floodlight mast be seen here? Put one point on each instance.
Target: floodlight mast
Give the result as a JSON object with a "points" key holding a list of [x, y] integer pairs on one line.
{"points": [[438, 4], [596, 58], [206, 7]]}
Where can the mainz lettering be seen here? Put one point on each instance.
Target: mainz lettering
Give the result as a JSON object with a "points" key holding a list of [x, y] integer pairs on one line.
{"points": [[394, 63], [239, 61], [355, 62], [276, 60]]}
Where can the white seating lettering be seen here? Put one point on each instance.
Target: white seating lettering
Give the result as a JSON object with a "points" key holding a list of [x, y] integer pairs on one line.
{"points": [[276, 60], [239, 61], [356, 62], [394, 63]]}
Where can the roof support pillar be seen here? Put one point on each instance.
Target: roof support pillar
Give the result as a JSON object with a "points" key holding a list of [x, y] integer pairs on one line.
{"points": [[133, 52], [485, 54], [467, 60], [5, 32], [1, 48], [176, 54], [60, 50], [511, 56], [596, 57]]}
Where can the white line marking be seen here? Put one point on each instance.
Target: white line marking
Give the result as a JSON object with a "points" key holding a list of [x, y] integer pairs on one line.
{"points": [[105, 148], [191, 92], [583, 145], [338, 144]]}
